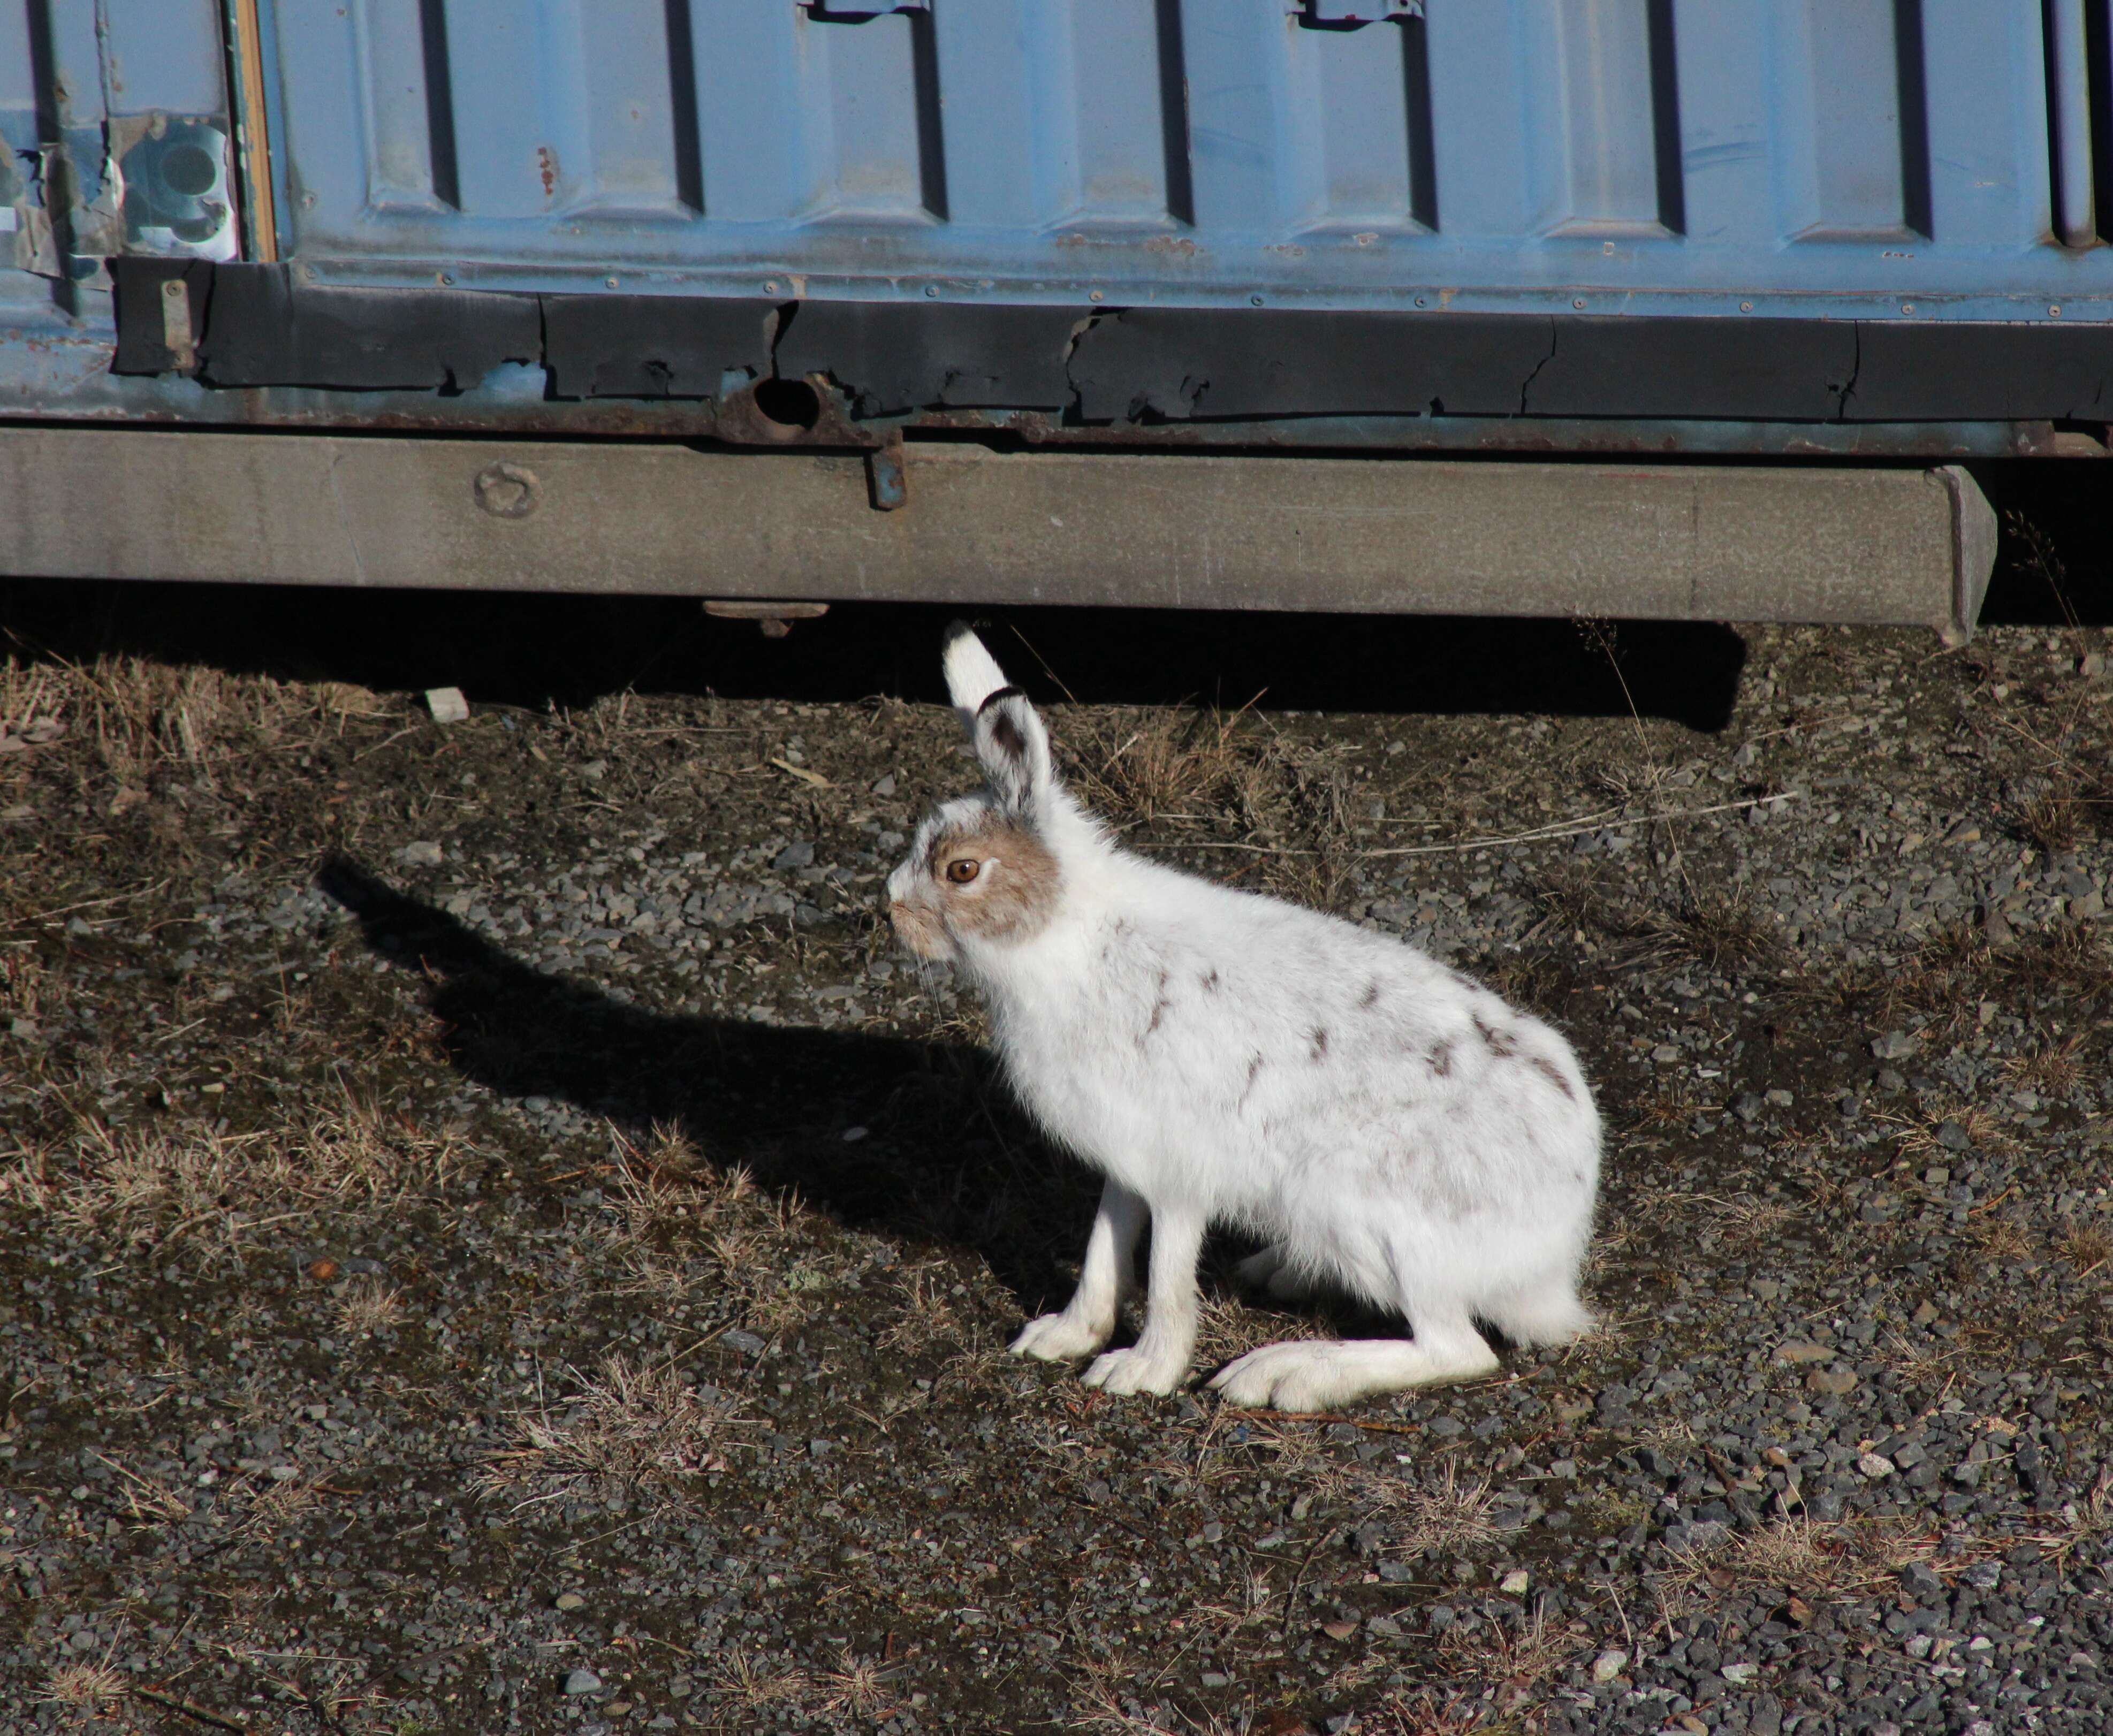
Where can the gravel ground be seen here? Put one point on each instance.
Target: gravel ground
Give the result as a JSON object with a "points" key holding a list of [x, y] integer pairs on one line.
{"points": [[496, 1239]]}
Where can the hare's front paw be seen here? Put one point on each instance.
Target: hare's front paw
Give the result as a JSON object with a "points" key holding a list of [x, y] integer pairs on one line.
{"points": [[1059, 1338], [1138, 1370]]}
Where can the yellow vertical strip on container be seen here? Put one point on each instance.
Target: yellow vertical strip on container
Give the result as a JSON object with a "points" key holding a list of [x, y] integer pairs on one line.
{"points": [[254, 137]]}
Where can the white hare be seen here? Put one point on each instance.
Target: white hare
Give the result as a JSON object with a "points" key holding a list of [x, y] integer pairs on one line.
{"points": [[1385, 1124]]}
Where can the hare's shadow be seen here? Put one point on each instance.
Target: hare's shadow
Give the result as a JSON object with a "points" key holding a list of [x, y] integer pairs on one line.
{"points": [[945, 1157]]}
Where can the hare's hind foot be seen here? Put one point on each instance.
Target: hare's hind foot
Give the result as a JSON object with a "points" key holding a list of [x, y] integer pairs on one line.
{"points": [[1550, 1315], [1306, 1375], [1272, 1272]]}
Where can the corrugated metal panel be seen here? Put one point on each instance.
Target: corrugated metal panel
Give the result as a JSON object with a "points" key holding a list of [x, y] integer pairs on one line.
{"points": [[1652, 155], [113, 140]]}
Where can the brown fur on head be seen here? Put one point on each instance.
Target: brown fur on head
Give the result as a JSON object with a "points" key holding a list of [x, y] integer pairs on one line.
{"points": [[976, 875]]}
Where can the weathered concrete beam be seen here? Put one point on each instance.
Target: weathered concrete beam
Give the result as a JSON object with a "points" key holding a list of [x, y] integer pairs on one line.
{"points": [[1384, 535]]}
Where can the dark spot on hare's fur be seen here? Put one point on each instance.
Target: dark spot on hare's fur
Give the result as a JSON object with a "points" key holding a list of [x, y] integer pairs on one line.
{"points": [[1254, 1072], [1372, 995], [1440, 1057], [1541, 1065], [1209, 981], [1500, 1043], [1159, 1005], [1319, 1043]]}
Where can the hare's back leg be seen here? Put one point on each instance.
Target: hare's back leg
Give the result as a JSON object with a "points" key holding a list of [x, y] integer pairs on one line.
{"points": [[1318, 1376], [1550, 1314], [1272, 1271]]}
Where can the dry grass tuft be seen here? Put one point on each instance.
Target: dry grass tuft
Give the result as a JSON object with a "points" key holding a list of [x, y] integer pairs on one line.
{"points": [[2050, 821], [927, 1317], [1917, 1135], [367, 1307], [1136, 767], [2053, 1069], [188, 1181], [1515, 1658], [633, 1433], [1447, 1517], [1998, 1240], [745, 1684], [1798, 1554], [2087, 1246], [1722, 931], [85, 1683]]}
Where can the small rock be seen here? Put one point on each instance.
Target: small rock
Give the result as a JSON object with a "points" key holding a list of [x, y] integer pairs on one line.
{"points": [[1834, 1382], [1515, 1582], [1952, 1136], [884, 786], [1896, 1046], [582, 1682], [1210, 1677], [594, 770], [1609, 1664], [322, 1271], [447, 704], [747, 1343], [568, 1600], [1926, 1313], [1338, 1629], [423, 854], [1780, 1099], [1803, 1350], [1738, 1675], [1875, 1466]]}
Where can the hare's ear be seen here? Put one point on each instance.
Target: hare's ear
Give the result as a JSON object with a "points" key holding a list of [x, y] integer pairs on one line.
{"points": [[1011, 743], [973, 675], [1013, 750]]}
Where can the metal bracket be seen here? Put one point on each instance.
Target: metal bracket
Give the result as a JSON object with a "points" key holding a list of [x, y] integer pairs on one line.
{"points": [[848, 9], [177, 326], [775, 618], [1352, 12], [885, 475]]}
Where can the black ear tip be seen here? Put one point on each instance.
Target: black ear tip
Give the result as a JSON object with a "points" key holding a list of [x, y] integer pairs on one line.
{"points": [[956, 631]]}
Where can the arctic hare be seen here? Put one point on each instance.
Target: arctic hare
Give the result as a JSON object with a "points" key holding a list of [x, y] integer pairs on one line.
{"points": [[1221, 1056]]}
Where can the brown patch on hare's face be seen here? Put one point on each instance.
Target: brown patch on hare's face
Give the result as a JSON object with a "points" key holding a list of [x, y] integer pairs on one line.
{"points": [[991, 881]]}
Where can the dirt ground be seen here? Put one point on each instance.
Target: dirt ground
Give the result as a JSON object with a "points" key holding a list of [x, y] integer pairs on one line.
{"points": [[496, 1238]]}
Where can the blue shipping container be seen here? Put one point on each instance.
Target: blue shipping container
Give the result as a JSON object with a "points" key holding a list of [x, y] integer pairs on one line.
{"points": [[1847, 227]]}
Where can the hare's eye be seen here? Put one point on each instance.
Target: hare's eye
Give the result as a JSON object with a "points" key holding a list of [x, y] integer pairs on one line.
{"points": [[962, 869]]}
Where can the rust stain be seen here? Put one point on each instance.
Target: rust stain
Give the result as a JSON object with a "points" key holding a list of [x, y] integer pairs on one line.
{"points": [[546, 165]]}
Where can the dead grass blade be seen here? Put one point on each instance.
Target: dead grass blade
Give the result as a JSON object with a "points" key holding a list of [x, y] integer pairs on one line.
{"points": [[633, 1433]]}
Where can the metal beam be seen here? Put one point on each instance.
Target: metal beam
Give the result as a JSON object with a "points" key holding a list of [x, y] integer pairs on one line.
{"points": [[1382, 535]]}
